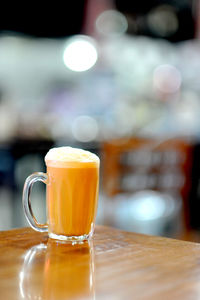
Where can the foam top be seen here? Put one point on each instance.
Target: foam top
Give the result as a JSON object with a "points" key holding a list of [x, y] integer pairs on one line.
{"points": [[66, 155]]}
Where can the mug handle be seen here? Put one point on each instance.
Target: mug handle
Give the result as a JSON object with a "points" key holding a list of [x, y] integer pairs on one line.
{"points": [[26, 200]]}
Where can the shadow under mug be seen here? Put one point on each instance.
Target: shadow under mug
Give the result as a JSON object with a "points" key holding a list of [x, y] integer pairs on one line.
{"points": [[71, 199]]}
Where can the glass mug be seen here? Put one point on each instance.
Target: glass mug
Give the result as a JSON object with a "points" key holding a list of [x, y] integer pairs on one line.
{"points": [[72, 183]]}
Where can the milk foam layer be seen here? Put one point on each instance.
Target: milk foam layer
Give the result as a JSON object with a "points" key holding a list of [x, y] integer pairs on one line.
{"points": [[69, 155]]}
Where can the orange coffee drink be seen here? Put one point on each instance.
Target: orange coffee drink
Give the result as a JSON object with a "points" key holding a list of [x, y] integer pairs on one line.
{"points": [[72, 182]]}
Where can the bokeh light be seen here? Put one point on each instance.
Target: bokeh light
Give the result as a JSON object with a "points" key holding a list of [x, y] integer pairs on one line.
{"points": [[167, 79], [163, 20], [85, 129], [111, 23], [80, 53]]}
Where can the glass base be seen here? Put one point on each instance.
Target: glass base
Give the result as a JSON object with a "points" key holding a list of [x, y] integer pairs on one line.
{"points": [[81, 238]]}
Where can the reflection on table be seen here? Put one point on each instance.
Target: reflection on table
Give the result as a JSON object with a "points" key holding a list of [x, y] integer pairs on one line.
{"points": [[58, 271]]}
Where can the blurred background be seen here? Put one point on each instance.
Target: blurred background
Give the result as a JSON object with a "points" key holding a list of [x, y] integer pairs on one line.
{"points": [[119, 78]]}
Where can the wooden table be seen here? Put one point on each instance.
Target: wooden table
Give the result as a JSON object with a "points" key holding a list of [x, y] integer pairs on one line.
{"points": [[116, 265]]}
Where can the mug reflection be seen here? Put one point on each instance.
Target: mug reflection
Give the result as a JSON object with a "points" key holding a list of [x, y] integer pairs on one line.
{"points": [[58, 271]]}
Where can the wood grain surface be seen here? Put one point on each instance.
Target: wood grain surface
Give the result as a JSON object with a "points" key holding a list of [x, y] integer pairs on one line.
{"points": [[114, 265]]}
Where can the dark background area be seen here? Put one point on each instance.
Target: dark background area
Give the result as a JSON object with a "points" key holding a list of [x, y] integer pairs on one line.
{"points": [[43, 19], [64, 19], [139, 11]]}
